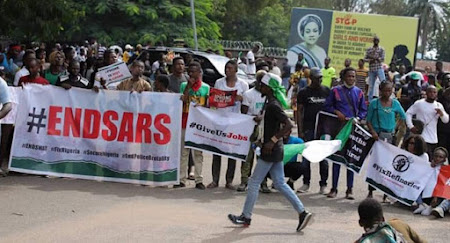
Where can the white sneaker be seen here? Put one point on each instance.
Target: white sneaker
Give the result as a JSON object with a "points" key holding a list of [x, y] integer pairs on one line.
{"points": [[419, 209], [322, 189], [426, 211], [304, 188], [438, 212]]}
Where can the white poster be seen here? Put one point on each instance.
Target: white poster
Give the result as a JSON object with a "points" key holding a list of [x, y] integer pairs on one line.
{"points": [[114, 74], [219, 132], [397, 172], [110, 135]]}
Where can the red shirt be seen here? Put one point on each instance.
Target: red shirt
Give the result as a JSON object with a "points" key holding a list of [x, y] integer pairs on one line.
{"points": [[37, 80]]}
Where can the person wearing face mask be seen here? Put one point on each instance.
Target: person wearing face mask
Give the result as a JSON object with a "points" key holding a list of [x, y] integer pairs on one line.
{"points": [[347, 102], [310, 28]]}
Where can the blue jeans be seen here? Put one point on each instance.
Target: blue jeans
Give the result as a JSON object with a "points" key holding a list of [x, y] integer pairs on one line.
{"points": [[277, 174], [336, 172], [445, 205], [372, 78]]}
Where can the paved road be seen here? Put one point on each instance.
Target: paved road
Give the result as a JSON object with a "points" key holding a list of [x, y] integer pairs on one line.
{"points": [[38, 209]]}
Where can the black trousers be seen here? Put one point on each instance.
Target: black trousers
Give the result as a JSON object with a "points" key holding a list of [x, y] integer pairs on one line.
{"points": [[217, 163]]}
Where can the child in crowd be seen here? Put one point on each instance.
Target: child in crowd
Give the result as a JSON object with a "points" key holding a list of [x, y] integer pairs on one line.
{"points": [[34, 76]]}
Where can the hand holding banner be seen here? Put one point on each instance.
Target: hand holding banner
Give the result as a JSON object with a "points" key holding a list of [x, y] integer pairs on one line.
{"points": [[114, 74], [111, 136], [219, 132], [397, 173]]}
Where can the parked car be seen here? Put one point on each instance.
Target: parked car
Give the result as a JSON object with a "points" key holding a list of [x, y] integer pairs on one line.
{"points": [[213, 65]]}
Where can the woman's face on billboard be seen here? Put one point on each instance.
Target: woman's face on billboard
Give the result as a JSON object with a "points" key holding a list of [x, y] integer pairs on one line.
{"points": [[311, 33]]}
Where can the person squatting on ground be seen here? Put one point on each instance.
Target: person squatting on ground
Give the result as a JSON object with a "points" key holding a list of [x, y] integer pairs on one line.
{"points": [[440, 158], [271, 159], [377, 230]]}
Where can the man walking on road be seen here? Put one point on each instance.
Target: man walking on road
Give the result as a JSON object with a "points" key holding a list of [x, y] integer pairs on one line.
{"points": [[271, 159]]}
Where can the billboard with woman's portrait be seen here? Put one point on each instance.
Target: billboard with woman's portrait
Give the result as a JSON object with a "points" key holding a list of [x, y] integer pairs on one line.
{"points": [[317, 33]]}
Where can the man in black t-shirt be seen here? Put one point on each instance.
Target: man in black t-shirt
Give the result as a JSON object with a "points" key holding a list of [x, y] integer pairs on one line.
{"points": [[271, 159], [310, 101]]}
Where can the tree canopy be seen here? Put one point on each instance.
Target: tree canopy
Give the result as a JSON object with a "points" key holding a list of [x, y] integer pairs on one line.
{"points": [[142, 21]]}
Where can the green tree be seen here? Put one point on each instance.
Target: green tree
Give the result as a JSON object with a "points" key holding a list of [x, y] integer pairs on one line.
{"points": [[389, 7], [142, 21], [30, 20], [434, 16]]}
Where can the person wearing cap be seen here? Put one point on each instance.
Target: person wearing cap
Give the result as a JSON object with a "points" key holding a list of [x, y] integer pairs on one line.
{"points": [[271, 159], [411, 91], [138, 49], [310, 101], [375, 57], [253, 104], [428, 111], [128, 53], [347, 102]]}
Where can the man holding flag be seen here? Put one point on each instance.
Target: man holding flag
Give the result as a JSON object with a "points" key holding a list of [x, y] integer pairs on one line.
{"points": [[271, 159], [347, 102]]}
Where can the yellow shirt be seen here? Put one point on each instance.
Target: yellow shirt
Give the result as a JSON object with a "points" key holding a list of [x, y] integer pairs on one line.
{"points": [[327, 76], [138, 86], [126, 57]]}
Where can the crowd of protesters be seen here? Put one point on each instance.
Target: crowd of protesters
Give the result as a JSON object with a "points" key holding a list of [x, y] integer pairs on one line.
{"points": [[396, 103]]}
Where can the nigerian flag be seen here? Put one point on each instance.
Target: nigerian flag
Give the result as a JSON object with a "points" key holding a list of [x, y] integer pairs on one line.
{"points": [[317, 150]]}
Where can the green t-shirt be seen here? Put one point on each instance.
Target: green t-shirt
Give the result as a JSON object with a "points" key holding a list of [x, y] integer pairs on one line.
{"points": [[327, 76], [52, 78], [200, 97]]}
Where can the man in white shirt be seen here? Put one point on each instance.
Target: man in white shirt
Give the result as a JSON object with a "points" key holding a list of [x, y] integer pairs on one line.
{"points": [[251, 66], [427, 110], [29, 55], [253, 104], [273, 67], [228, 83]]}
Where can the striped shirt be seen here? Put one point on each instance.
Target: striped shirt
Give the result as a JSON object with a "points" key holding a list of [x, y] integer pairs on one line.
{"points": [[361, 76]]}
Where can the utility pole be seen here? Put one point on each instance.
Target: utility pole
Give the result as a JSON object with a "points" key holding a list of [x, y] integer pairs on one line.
{"points": [[193, 25]]}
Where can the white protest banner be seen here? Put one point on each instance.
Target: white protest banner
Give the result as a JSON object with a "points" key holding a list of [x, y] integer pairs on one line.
{"points": [[107, 136], [219, 132], [114, 74], [15, 95], [397, 172]]}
